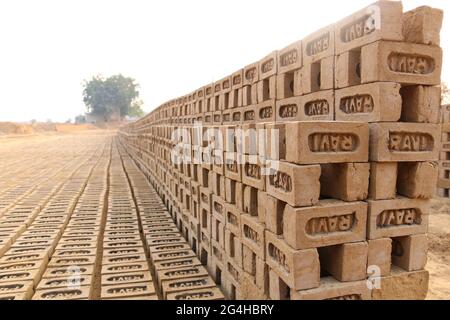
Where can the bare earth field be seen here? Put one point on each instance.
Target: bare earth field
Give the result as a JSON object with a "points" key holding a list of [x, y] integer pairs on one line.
{"points": [[36, 160]]}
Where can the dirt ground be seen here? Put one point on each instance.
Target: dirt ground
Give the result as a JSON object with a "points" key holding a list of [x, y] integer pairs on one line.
{"points": [[439, 250]]}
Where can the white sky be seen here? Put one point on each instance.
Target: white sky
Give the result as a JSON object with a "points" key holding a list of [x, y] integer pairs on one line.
{"points": [[170, 47]]}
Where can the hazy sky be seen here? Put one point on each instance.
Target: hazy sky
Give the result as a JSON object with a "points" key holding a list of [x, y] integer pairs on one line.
{"points": [[171, 47]]}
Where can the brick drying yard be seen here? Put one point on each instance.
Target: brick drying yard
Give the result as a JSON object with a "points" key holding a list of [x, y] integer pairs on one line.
{"points": [[310, 176], [76, 218], [55, 193]]}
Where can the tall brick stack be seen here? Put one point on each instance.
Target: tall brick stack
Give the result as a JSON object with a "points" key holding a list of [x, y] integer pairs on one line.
{"points": [[307, 174], [444, 163]]}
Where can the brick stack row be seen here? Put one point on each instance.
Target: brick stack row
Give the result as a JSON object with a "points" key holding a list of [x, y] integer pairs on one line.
{"points": [[308, 174]]}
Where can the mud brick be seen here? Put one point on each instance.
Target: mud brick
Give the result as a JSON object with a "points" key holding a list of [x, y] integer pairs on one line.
{"points": [[40, 256], [232, 136], [294, 184], [205, 198], [169, 248], [249, 114], [251, 74], [57, 272], [423, 25], [23, 266], [226, 117], [218, 162], [328, 223], [129, 258], [170, 255], [262, 206], [128, 277], [24, 287], [232, 218], [327, 142], [252, 234], [15, 296], [315, 106], [278, 289], [249, 139], [410, 252], [180, 285], [253, 173], [317, 76], [374, 102], [402, 285], [218, 208], [217, 118], [234, 99], [421, 104], [397, 217], [21, 275], [36, 249], [234, 269], [233, 247], [345, 181], [70, 281], [266, 111], [273, 219], [262, 275], [290, 58], [404, 142], [266, 89], [286, 84], [379, 256], [161, 236], [250, 200], [159, 230], [218, 231], [180, 273], [233, 168], [248, 260], [128, 290], [383, 177], [300, 269], [124, 267], [237, 79], [249, 97], [230, 191], [275, 135], [208, 118], [75, 252], [345, 262], [217, 262], [381, 20], [81, 293], [176, 263], [268, 66], [405, 63], [417, 179], [173, 240], [318, 45], [197, 294], [205, 221], [217, 185], [331, 289]]}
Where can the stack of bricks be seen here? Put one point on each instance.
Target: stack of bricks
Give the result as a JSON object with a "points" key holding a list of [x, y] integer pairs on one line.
{"points": [[179, 275], [444, 160], [310, 174]]}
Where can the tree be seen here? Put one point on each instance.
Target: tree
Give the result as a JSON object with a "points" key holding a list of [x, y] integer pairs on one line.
{"points": [[80, 119], [445, 94], [116, 94]]}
